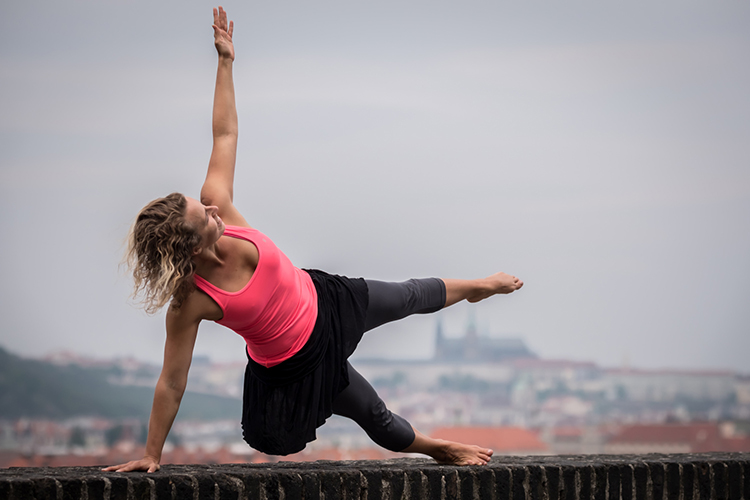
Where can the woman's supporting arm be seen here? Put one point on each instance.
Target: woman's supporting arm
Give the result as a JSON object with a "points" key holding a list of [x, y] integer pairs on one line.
{"points": [[182, 330]]}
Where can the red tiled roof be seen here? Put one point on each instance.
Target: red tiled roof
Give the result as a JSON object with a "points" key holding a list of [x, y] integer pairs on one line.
{"points": [[499, 439], [645, 372], [701, 437], [567, 431], [737, 444]]}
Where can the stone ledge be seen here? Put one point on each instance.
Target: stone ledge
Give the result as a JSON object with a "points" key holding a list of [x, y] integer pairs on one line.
{"points": [[708, 476]]}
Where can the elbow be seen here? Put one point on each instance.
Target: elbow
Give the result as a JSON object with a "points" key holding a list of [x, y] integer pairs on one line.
{"points": [[211, 196], [224, 133], [173, 388], [177, 388]]}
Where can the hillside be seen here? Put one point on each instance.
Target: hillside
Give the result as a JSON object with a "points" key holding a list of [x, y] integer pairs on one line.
{"points": [[31, 388]]}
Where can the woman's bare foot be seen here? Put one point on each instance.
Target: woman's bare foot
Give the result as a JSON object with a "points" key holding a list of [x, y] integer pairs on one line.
{"points": [[449, 452], [497, 283], [462, 454]]}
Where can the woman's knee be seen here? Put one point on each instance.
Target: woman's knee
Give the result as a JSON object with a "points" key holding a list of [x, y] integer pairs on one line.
{"points": [[425, 295], [384, 427], [361, 403]]}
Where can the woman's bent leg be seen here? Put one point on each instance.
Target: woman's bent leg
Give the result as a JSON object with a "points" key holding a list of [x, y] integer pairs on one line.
{"points": [[361, 403]]}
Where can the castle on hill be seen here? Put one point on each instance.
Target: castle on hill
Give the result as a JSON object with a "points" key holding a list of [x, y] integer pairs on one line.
{"points": [[472, 357], [473, 347]]}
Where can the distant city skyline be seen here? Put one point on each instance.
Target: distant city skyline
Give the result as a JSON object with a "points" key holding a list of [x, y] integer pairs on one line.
{"points": [[522, 405], [453, 341]]}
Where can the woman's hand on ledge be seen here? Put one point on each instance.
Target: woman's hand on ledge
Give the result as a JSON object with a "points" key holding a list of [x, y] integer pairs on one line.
{"points": [[149, 464]]}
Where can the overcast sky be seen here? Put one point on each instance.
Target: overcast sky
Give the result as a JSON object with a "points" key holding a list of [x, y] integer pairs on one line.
{"points": [[598, 150]]}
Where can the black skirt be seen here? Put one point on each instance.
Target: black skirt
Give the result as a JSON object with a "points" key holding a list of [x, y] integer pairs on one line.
{"points": [[283, 405]]}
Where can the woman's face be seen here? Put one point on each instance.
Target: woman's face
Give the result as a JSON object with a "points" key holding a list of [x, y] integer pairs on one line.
{"points": [[205, 220]]}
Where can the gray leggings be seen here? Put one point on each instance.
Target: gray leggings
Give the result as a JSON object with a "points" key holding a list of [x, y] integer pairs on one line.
{"points": [[359, 401]]}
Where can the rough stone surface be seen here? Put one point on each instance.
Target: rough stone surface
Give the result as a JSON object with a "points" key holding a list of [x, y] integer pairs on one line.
{"points": [[709, 476]]}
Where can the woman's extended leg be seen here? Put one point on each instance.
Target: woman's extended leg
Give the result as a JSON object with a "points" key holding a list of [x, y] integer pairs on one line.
{"points": [[394, 301], [361, 403]]}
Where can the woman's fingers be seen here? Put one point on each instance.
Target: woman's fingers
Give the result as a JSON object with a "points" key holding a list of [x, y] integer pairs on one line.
{"points": [[147, 465], [220, 21], [222, 18], [119, 468]]}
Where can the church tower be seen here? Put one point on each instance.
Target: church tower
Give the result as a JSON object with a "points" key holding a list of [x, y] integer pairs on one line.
{"points": [[471, 339], [439, 340]]}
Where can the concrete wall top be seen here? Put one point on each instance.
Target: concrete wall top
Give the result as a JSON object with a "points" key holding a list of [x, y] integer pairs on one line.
{"points": [[711, 476]]}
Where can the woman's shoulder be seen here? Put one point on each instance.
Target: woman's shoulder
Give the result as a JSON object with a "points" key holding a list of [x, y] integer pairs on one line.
{"points": [[230, 229], [243, 233]]}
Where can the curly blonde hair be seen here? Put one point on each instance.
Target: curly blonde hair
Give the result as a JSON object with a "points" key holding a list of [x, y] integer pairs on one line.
{"points": [[160, 253]]}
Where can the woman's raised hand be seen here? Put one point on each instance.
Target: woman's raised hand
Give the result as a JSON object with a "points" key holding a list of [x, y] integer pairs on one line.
{"points": [[223, 33]]}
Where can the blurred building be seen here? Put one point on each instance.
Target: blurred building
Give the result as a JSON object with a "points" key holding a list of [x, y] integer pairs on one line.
{"points": [[676, 438], [473, 347], [671, 385], [458, 363]]}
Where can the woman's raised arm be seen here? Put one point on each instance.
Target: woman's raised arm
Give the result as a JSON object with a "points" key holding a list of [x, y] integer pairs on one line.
{"points": [[218, 189]]}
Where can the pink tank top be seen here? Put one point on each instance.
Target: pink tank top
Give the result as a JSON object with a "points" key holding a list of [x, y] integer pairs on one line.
{"points": [[275, 311]]}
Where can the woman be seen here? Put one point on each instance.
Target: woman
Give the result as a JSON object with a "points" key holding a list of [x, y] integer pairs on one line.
{"points": [[300, 325]]}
